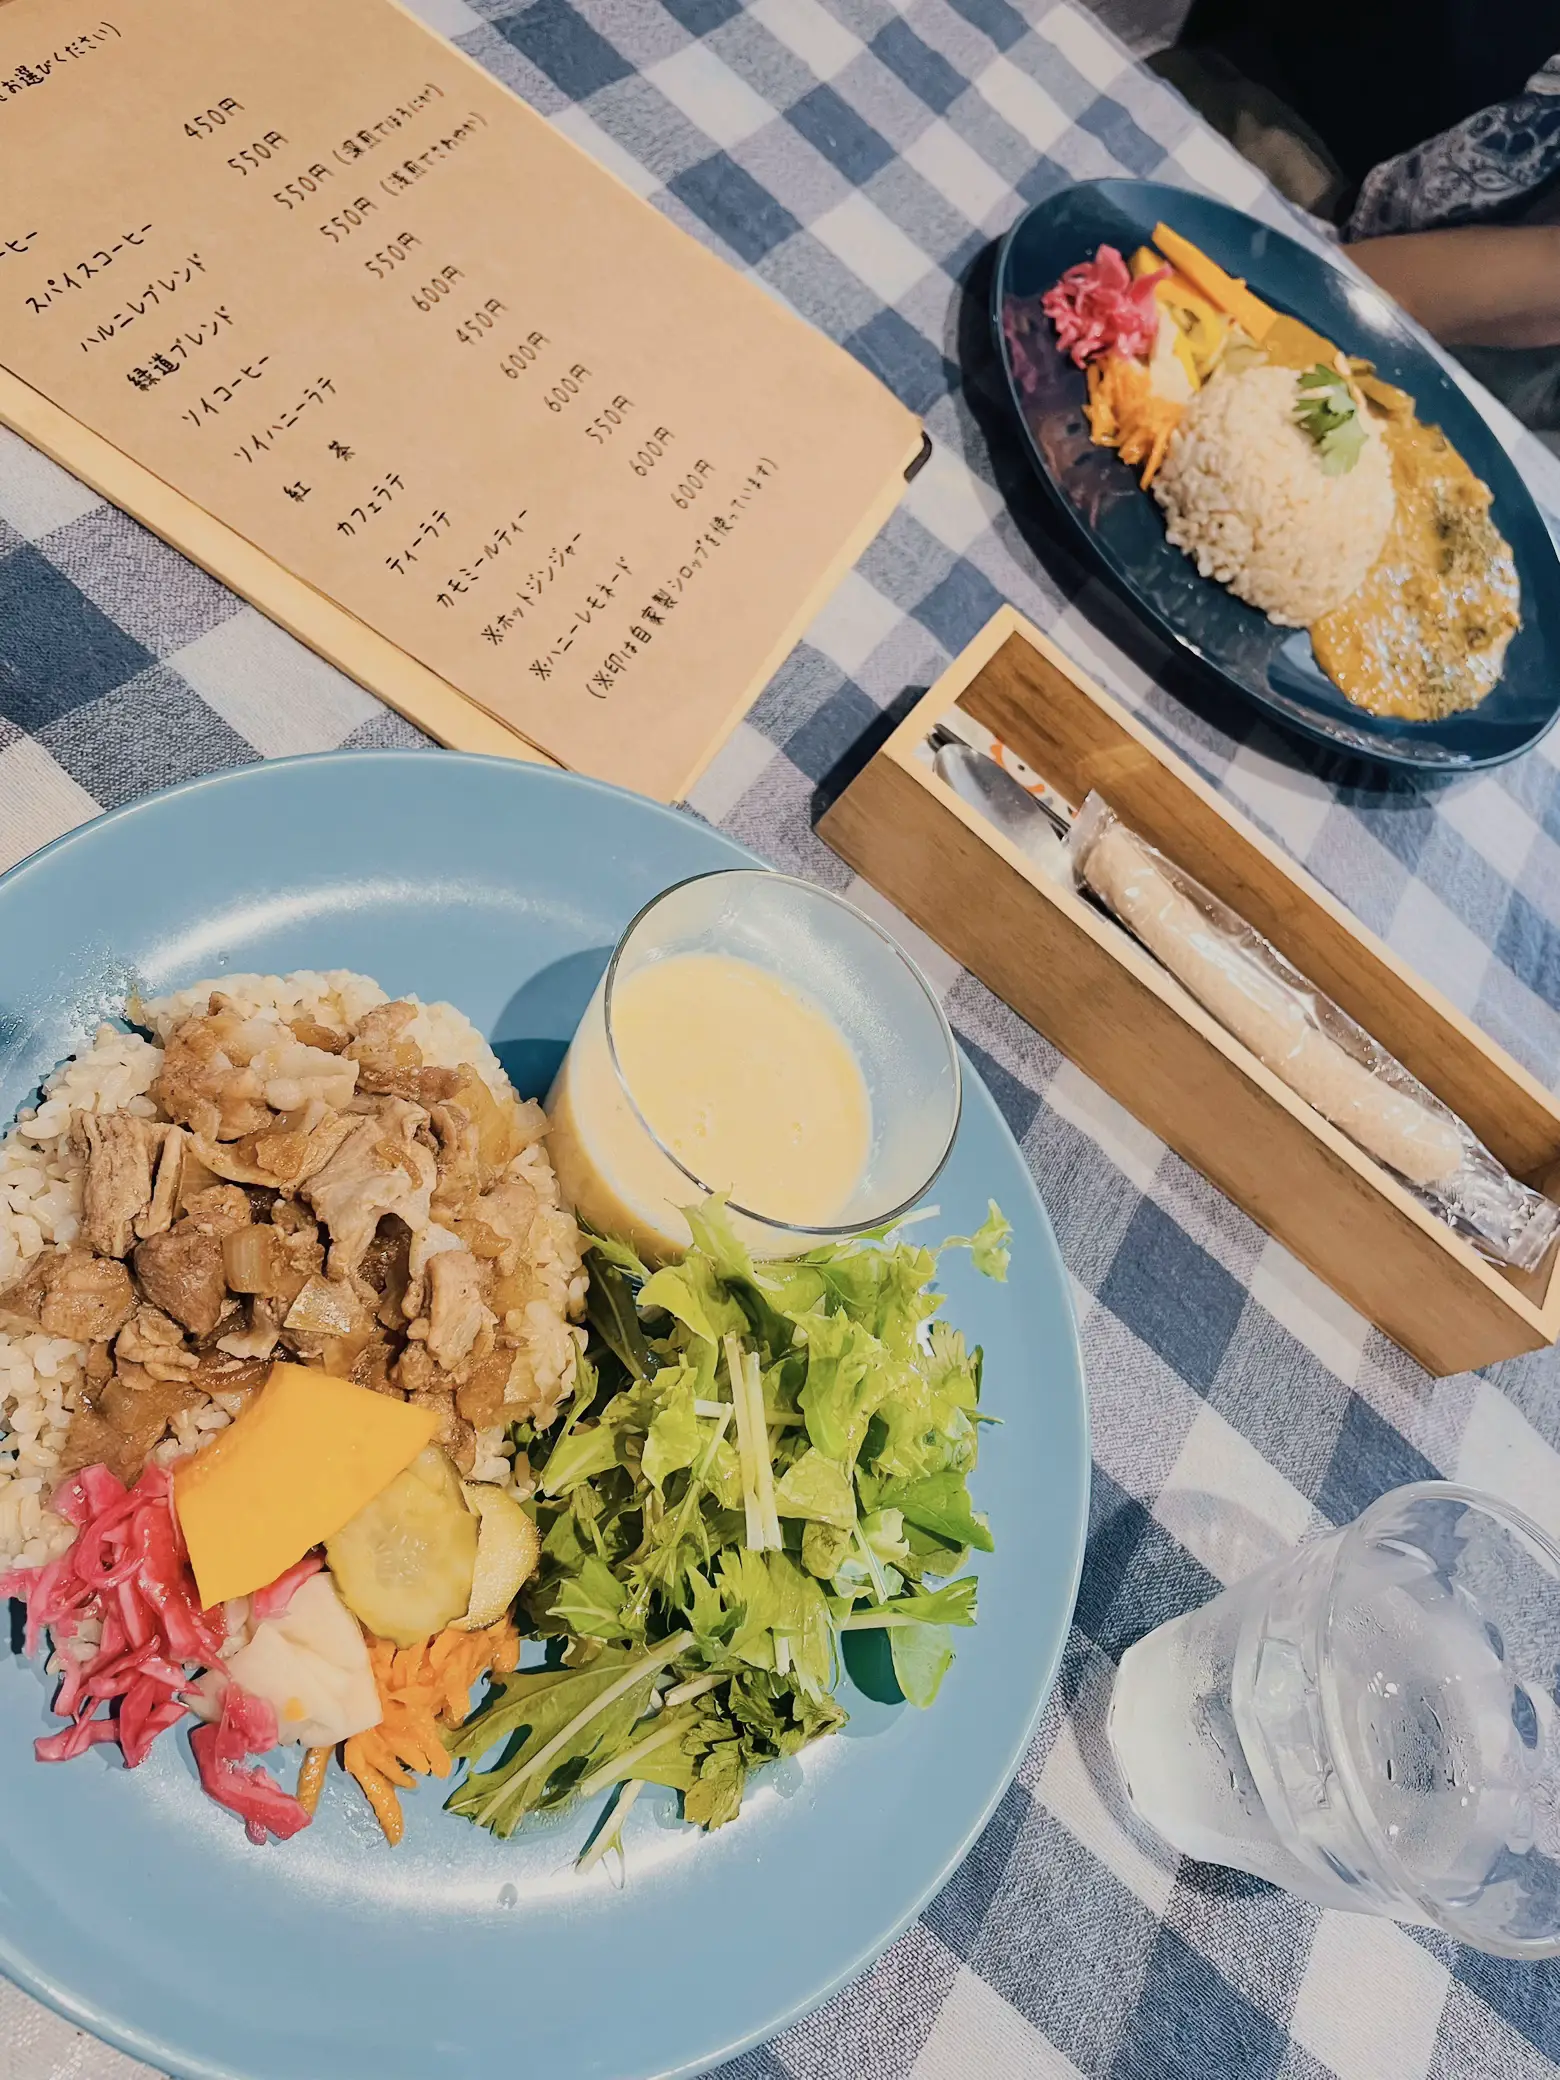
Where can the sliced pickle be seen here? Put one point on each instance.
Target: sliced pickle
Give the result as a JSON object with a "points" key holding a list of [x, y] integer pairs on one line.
{"points": [[405, 1563], [507, 1552]]}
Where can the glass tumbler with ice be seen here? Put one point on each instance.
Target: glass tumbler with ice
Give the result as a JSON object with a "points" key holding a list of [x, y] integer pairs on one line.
{"points": [[1370, 1722]]}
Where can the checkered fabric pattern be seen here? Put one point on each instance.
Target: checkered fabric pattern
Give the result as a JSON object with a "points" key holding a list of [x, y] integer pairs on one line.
{"points": [[858, 157]]}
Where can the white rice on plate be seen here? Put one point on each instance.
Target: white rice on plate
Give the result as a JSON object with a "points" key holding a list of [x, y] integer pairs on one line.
{"points": [[41, 1176], [1245, 496]]}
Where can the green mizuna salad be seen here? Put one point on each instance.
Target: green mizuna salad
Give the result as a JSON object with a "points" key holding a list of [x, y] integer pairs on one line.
{"points": [[761, 1460]]}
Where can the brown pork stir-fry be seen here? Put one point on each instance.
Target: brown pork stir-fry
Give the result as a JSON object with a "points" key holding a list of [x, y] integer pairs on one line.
{"points": [[315, 1195]]}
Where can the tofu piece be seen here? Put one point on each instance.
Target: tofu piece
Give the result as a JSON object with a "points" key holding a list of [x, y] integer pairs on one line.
{"points": [[311, 1666]]}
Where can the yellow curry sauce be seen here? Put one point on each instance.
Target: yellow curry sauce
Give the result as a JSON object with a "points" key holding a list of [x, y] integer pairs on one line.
{"points": [[1288, 343], [1426, 634]]}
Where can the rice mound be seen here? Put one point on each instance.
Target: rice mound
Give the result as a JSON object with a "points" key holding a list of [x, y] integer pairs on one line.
{"points": [[1245, 496], [41, 1177]]}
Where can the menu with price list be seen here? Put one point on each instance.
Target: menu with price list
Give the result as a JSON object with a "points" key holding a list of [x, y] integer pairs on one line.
{"points": [[309, 292]]}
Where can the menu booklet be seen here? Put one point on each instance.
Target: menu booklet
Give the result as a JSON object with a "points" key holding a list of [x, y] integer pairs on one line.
{"points": [[312, 295]]}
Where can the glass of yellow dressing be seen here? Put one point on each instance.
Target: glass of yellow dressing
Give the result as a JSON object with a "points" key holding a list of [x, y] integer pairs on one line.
{"points": [[758, 1036]]}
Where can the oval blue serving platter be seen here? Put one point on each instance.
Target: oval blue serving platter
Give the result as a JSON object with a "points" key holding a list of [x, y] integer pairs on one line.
{"points": [[1122, 525], [134, 1905]]}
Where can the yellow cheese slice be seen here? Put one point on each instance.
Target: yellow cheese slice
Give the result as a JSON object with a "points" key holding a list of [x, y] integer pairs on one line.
{"points": [[1222, 290], [301, 1460]]}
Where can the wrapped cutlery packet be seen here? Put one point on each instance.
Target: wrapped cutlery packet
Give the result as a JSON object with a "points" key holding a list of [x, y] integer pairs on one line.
{"points": [[985, 868], [1241, 979], [1323, 1055]]}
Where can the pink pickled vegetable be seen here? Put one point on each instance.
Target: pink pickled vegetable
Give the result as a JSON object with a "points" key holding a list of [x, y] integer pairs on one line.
{"points": [[127, 1571], [247, 1727], [272, 1601], [1097, 308]]}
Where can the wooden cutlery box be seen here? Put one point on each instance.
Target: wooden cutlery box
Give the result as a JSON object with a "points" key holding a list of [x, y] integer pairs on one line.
{"points": [[1106, 1003]]}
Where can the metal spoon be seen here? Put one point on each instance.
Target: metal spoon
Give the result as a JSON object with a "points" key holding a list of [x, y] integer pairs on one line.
{"points": [[1035, 824]]}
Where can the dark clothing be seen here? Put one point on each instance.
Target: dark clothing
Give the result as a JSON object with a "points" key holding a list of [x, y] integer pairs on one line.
{"points": [[1396, 116], [1500, 165], [1376, 77]]}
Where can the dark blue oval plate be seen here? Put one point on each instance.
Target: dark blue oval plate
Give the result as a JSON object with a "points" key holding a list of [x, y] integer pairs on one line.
{"points": [[132, 1903], [1272, 666]]}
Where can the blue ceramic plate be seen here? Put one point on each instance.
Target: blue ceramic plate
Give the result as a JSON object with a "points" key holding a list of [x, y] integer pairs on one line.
{"points": [[1272, 666], [132, 1903]]}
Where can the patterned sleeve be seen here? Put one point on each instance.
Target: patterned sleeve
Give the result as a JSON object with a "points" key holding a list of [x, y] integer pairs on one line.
{"points": [[1489, 167]]}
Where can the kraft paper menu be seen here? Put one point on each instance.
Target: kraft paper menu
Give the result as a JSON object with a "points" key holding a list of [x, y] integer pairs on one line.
{"points": [[329, 308]]}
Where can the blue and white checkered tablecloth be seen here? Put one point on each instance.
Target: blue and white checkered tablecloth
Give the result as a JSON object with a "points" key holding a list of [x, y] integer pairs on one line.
{"points": [[859, 157]]}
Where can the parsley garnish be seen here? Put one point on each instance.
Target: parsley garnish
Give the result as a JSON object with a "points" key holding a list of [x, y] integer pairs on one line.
{"points": [[1325, 410]]}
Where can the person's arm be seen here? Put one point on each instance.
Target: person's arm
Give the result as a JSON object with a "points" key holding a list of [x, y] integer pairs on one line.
{"points": [[1478, 286]]}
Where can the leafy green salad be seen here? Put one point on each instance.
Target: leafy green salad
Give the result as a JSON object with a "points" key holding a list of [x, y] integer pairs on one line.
{"points": [[760, 1460]]}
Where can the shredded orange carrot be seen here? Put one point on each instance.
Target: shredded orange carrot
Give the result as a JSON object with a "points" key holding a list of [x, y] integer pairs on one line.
{"points": [[380, 1795], [311, 1778], [1127, 414], [421, 1689]]}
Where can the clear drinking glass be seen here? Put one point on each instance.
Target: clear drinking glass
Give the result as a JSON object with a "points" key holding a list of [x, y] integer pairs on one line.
{"points": [[1370, 1722], [624, 1179]]}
